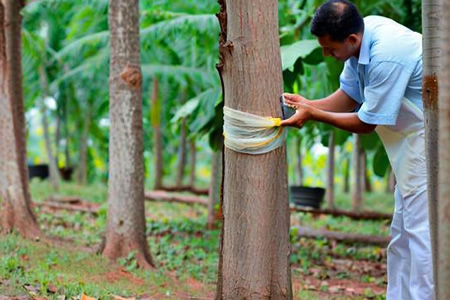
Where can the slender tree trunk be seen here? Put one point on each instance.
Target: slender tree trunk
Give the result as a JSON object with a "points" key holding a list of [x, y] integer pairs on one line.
{"points": [[66, 125], [193, 162], [365, 172], [157, 135], [254, 255], [57, 139], [443, 204], [431, 20], [300, 162], [357, 189], [82, 171], [126, 211], [330, 171], [15, 198], [54, 173], [347, 176], [181, 154], [214, 188]]}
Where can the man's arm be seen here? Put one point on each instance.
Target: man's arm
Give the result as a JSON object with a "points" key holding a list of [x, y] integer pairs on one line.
{"points": [[346, 121], [339, 101]]}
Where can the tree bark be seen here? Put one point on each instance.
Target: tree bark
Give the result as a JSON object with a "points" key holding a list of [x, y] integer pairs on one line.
{"points": [[181, 154], [431, 20], [16, 212], [214, 188], [357, 188], [157, 135], [443, 205], [126, 210], [300, 162], [53, 167], [364, 171], [82, 171], [330, 171], [254, 251], [347, 176], [193, 162]]}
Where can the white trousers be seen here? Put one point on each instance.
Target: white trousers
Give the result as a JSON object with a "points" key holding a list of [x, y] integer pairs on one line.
{"points": [[409, 259]]}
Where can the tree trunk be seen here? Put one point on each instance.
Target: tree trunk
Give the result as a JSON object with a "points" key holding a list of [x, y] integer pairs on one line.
{"points": [[82, 171], [157, 135], [364, 171], [214, 188], [347, 176], [66, 125], [16, 212], [254, 252], [357, 188], [300, 162], [330, 172], [431, 20], [443, 204], [181, 154], [54, 172], [193, 162], [126, 210]]}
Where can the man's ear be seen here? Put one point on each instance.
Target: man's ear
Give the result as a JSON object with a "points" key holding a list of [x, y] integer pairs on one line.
{"points": [[354, 38]]}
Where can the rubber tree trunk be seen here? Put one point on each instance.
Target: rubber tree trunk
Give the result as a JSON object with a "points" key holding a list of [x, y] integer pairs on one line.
{"points": [[181, 154], [431, 21], [214, 188], [330, 171], [125, 231], [347, 176], [16, 212], [366, 178], [54, 172], [356, 161], [157, 135], [66, 122], [82, 170], [254, 251], [192, 161], [300, 162], [443, 205]]}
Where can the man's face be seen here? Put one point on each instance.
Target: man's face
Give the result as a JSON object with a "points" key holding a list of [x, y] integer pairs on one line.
{"points": [[339, 50]]}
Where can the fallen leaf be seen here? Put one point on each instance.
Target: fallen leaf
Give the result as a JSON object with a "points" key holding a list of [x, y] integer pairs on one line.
{"points": [[122, 298], [84, 297], [51, 288], [350, 290]]}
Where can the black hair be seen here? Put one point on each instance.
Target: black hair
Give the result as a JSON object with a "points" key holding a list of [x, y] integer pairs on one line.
{"points": [[337, 19]]}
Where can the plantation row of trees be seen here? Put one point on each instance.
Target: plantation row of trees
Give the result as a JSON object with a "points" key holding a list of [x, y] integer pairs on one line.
{"points": [[163, 63]]}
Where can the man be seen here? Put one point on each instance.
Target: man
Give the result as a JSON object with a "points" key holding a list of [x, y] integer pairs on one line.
{"points": [[380, 89]]}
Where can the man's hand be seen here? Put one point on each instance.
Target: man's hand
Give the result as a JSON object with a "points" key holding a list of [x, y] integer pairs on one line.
{"points": [[301, 116], [293, 100]]}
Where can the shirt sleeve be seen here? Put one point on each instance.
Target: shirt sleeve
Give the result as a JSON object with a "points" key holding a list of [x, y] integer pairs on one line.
{"points": [[349, 83], [387, 83]]}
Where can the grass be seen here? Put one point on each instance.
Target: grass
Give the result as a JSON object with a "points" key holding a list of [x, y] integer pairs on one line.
{"points": [[186, 253]]}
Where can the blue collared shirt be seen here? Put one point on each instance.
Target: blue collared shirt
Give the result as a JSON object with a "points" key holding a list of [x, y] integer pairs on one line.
{"points": [[389, 69]]}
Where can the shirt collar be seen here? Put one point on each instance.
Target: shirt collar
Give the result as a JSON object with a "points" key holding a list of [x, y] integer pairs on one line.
{"points": [[364, 53]]}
